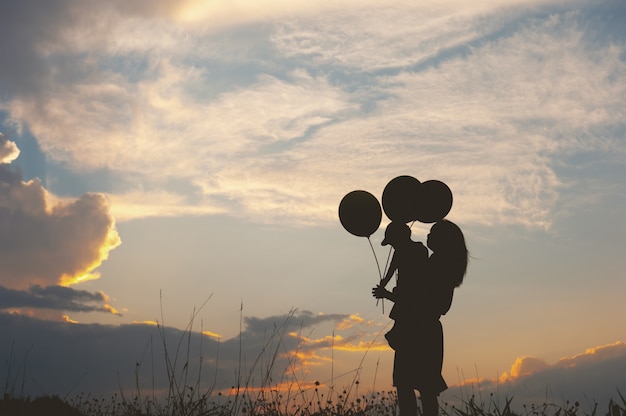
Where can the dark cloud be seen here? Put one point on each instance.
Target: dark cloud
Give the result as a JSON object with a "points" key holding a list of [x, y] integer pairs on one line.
{"points": [[43, 243], [53, 298], [304, 319], [62, 358], [590, 377], [56, 357], [267, 344]]}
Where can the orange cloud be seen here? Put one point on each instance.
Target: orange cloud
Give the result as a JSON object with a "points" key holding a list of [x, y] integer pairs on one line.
{"points": [[362, 346], [212, 334], [147, 322], [524, 366], [310, 351], [475, 381], [601, 352], [351, 321], [309, 358], [111, 309]]}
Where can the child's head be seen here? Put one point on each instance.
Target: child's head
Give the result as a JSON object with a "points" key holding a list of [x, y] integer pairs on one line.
{"points": [[446, 238], [396, 232]]}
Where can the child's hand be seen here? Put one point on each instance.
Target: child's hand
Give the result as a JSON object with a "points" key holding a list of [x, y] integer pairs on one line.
{"points": [[380, 292]]}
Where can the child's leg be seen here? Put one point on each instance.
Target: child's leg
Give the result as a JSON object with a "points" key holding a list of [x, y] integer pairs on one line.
{"points": [[407, 401], [430, 406]]}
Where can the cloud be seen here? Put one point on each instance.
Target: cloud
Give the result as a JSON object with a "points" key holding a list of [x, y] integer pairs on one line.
{"points": [[57, 298], [490, 119], [402, 34], [159, 203], [46, 244], [491, 99], [58, 355], [34, 33], [8, 150], [589, 377], [525, 366]]}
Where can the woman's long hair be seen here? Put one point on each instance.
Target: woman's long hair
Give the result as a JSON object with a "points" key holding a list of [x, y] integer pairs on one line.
{"points": [[451, 245]]}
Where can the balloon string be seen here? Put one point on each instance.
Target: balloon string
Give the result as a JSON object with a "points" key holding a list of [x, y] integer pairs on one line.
{"points": [[380, 274], [388, 259]]}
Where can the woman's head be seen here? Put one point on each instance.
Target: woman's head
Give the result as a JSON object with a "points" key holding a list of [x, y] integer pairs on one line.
{"points": [[446, 238]]}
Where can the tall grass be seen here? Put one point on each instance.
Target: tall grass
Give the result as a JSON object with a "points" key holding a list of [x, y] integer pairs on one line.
{"points": [[255, 391], [472, 407]]}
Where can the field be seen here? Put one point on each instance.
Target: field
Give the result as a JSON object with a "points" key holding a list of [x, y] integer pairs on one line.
{"points": [[272, 404]]}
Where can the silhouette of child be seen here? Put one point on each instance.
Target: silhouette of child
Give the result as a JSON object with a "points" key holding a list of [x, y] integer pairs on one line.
{"points": [[417, 334], [410, 259]]}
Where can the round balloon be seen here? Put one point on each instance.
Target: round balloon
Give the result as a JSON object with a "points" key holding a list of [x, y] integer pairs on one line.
{"points": [[360, 213], [400, 198], [435, 201]]}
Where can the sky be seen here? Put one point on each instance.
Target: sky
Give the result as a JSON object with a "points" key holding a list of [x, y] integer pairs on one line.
{"points": [[181, 163]]}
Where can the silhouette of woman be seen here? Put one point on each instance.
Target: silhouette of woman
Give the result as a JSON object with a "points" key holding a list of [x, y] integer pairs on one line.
{"points": [[420, 298]]}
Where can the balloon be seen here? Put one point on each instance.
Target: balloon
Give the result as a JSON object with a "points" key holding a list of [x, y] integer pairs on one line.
{"points": [[435, 201], [400, 198], [360, 213]]}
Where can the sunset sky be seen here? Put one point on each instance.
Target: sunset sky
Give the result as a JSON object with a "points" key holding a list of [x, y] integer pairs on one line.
{"points": [[156, 154]]}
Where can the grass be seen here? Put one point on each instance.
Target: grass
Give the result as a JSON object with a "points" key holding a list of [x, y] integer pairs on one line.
{"points": [[275, 404], [186, 395]]}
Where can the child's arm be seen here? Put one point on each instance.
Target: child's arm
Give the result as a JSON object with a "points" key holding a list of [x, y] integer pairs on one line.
{"points": [[380, 292], [392, 269]]}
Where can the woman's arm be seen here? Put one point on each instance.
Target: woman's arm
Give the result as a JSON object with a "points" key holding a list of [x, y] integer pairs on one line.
{"points": [[446, 299]]}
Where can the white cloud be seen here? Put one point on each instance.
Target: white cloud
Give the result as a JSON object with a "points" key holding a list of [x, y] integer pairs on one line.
{"points": [[44, 243], [493, 122], [457, 96], [8, 150], [161, 131], [143, 204], [378, 37]]}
